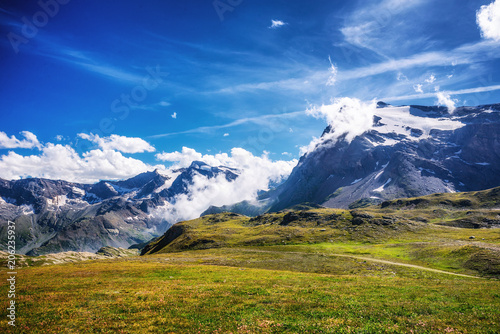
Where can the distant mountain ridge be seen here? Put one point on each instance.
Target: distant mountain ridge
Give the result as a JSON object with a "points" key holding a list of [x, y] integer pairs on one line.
{"points": [[55, 216]]}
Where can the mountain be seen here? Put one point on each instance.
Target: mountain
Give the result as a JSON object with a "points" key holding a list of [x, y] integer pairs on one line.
{"points": [[245, 208], [55, 216], [409, 151]]}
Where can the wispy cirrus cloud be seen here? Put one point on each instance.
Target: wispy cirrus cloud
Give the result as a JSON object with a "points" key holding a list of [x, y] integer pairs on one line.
{"points": [[262, 120], [53, 48], [467, 54], [379, 26], [91, 63], [475, 90]]}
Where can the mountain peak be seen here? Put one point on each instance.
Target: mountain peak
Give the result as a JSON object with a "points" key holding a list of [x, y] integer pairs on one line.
{"points": [[409, 151], [199, 165]]}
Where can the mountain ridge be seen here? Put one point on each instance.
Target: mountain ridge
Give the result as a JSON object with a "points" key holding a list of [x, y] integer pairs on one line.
{"points": [[427, 151], [56, 216]]}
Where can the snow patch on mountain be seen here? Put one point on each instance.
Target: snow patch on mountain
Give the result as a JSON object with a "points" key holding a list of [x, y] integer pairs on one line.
{"points": [[78, 191], [402, 120], [381, 188]]}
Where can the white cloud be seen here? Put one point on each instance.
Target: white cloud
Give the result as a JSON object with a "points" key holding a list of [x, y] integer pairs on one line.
{"points": [[174, 115], [346, 116], [255, 173], [59, 137], [488, 20], [430, 79], [119, 143], [226, 134], [260, 120], [29, 141], [455, 92], [86, 61], [463, 55], [164, 104], [381, 26], [333, 74], [276, 24], [401, 77], [58, 161], [418, 88], [185, 157], [445, 99]]}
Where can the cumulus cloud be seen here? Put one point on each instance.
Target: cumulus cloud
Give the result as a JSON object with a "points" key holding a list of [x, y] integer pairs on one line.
{"points": [[445, 99], [174, 115], [239, 158], [29, 141], [276, 24], [119, 143], [226, 134], [57, 161], [488, 20], [254, 174], [346, 116]]}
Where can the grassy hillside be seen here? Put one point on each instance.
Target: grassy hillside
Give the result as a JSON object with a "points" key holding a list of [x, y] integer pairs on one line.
{"points": [[457, 232], [396, 268], [227, 291]]}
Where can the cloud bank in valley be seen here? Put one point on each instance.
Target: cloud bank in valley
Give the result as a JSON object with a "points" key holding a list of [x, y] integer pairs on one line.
{"points": [[107, 162], [254, 174]]}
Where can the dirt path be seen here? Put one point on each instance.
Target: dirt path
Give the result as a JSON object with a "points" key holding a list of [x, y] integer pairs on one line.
{"points": [[402, 265], [371, 260]]}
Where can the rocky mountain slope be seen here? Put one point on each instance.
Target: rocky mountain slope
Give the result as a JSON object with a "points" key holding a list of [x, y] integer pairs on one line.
{"points": [[55, 216], [409, 151]]}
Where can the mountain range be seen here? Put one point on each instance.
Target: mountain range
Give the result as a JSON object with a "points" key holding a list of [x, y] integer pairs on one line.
{"points": [[407, 151], [55, 216]]}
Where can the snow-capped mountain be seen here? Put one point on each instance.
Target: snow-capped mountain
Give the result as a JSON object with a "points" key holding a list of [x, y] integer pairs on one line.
{"points": [[54, 216], [408, 151]]}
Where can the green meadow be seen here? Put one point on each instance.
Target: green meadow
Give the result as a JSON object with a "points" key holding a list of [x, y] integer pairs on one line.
{"points": [[393, 269]]}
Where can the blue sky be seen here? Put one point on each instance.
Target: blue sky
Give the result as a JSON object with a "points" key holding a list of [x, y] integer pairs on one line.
{"points": [[130, 83]]}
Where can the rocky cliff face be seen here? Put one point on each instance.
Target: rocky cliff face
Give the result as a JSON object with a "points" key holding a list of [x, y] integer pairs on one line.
{"points": [[55, 216], [409, 151]]}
